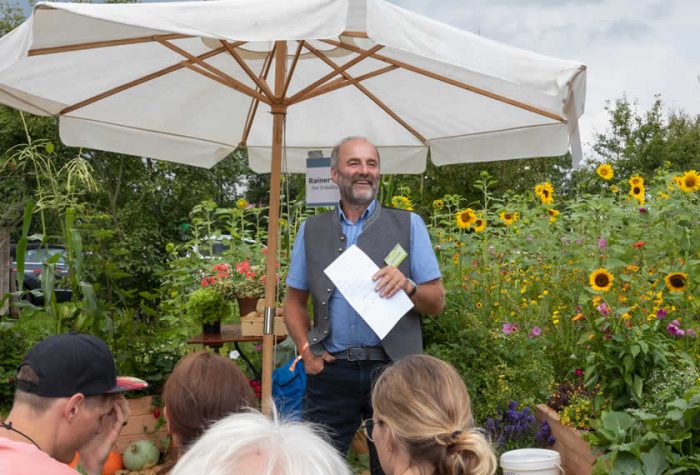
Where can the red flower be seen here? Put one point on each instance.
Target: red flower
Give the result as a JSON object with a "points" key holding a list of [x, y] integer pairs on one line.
{"points": [[639, 244], [205, 282], [156, 412]]}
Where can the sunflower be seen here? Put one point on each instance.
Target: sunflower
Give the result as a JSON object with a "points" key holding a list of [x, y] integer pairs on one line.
{"points": [[605, 171], [677, 281], [637, 192], [508, 217], [636, 180], [690, 181], [553, 214], [465, 218], [401, 202], [479, 224], [545, 191], [601, 280], [241, 203], [439, 204]]}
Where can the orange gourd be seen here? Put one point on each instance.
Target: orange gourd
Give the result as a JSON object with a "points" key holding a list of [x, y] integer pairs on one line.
{"points": [[113, 463]]}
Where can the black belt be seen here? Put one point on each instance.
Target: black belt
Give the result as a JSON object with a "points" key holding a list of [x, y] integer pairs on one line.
{"points": [[362, 354]]}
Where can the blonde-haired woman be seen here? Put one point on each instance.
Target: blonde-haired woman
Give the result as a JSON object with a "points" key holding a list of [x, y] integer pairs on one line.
{"points": [[423, 422]]}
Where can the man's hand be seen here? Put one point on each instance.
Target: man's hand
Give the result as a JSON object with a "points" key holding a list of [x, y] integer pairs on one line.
{"points": [[389, 281], [94, 453], [314, 364]]}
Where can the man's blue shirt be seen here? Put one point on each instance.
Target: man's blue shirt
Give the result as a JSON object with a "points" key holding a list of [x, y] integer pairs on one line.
{"points": [[348, 329]]}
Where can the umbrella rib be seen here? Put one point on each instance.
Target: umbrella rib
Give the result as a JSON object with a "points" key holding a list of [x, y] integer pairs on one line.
{"points": [[136, 82], [297, 54], [262, 85], [342, 82], [336, 69], [252, 111], [24, 101], [452, 82], [367, 93], [215, 73], [104, 44]]}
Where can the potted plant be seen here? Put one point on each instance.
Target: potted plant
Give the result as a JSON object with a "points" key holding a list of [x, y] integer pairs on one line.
{"points": [[242, 283], [207, 306]]}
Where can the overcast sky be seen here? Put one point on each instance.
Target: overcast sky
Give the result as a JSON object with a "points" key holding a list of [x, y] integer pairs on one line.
{"points": [[638, 48]]}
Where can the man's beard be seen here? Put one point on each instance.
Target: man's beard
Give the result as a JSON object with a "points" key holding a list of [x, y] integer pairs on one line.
{"points": [[353, 196]]}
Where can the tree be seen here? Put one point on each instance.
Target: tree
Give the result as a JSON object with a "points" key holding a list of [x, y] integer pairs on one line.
{"points": [[638, 142]]}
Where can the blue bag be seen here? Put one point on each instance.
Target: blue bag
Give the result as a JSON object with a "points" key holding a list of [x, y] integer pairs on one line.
{"points": [[288, 386]]}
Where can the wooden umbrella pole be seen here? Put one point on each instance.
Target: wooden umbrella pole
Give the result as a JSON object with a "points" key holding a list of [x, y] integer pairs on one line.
{"points": [[279, 109]]}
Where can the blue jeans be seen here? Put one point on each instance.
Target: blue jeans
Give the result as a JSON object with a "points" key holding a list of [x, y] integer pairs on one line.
{"points": [[339, 398]]}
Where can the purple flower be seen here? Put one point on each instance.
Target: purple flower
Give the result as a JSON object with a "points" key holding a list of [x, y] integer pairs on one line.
{"points": [[690, 333], [661, 313], [536, 331], [509, 328], [602, 243], [603, 308], [674, 328], [642, 210]]}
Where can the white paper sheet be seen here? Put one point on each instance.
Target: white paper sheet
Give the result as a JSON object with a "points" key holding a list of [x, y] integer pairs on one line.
{"points": [[352, 274]]}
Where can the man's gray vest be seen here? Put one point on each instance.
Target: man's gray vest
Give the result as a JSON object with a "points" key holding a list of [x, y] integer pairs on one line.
{"points": [[324, 242]]}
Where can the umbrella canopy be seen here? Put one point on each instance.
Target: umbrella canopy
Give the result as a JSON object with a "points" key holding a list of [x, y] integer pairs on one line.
{"points": [[189, 82], [181, 82]]}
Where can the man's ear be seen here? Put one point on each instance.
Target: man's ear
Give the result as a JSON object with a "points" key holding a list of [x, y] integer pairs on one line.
{"points": [[334, 175], [74, 405]]}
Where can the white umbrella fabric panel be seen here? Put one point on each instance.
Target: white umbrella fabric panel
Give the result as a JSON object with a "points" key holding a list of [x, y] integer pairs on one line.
{"points": [[185, 116]]}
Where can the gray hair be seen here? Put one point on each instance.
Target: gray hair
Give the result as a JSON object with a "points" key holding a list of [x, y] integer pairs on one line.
{"points": [[335, 153], [278, 447]]}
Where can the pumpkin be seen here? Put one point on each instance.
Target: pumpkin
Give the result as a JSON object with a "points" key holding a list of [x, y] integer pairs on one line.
{"points": [[140, 455], [113, 463]]}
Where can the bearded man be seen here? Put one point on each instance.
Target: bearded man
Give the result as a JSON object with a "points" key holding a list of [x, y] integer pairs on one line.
{"points": [[342, 355]]}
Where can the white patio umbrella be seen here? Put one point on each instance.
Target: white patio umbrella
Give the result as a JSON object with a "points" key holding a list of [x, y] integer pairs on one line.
{"points": [[189, 82]]}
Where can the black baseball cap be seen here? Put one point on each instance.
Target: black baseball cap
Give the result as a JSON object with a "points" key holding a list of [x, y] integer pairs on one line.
{"points": [[73, 363]]}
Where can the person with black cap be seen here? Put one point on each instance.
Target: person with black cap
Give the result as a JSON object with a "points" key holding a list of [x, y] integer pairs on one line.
{"points": [[68, 399]]}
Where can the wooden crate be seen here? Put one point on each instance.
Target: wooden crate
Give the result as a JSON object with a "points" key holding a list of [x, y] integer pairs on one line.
{"points": [[141, 425]]}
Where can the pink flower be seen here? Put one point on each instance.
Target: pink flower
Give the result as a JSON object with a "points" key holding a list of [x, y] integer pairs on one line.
{"points": [[603, 308], [661, 313], [536, 331], [509, 328], [602, 243], [578, 372]]}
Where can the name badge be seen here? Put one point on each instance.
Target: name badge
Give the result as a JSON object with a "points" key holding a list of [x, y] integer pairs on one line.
{"points": [[396, 256]]}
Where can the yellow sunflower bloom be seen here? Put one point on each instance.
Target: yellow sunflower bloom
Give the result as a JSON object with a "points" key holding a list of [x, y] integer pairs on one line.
{"points": [[401, 202], [553, 214], [690, 181], [465, 218], [637, 192], [636, 180], [614, 188], [601, 280], [241, 203], [545, 192], [605, 171], [479, 224], [438, 204], [676, 281], [508, 217]]}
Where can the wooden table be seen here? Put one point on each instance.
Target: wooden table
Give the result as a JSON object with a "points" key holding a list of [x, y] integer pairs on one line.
{"points": [[230, 333]]}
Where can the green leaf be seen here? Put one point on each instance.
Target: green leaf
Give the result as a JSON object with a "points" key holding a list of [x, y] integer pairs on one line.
{"points": [[654, 461], [617, 422]]}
